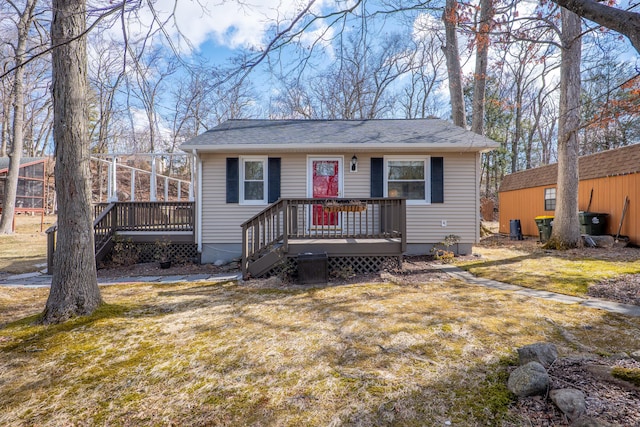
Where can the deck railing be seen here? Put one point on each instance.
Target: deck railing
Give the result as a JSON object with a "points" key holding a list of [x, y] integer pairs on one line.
{"points": [[155, 216], [371, 218]]}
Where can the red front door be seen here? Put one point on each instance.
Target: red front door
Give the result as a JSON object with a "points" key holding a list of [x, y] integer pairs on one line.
{"points": [[325, 184]]}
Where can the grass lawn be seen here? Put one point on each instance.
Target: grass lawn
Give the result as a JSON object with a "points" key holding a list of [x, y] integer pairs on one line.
{"points": [[237, 354], [556, 271], [25, 250]]}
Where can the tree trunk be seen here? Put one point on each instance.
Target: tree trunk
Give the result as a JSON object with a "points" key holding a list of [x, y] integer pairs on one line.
{"points": [[566, 226], [450, 18], [15, 158], [625, 22], [5, 124], [74, 286], [482, 55]]}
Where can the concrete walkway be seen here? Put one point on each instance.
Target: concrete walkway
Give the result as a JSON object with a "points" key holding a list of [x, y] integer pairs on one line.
{"points": [[40, 280], [610, 306]]}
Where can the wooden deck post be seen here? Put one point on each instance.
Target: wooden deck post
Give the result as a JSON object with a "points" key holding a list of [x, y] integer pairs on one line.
{"points": [[51, 245], [112, 188], [153, 183]]}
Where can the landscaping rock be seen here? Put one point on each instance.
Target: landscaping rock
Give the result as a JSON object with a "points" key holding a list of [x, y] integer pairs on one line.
{"points": [[602, 241], [543, 353], [636, 355], [570, 401], [529, 380], [591, 422]]}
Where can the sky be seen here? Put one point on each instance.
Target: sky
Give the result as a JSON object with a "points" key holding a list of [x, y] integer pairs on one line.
{"points": [[220, 29]]}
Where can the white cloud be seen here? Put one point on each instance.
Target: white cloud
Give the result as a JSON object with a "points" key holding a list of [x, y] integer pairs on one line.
{"points": [[231, 24], [426, 26]]}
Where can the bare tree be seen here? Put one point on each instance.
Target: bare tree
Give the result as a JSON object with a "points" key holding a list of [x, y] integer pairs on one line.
{"points": [[419, 96], [566, 227], [147, 85], [452, 54], [624, 22], [74, 286], [25, 20], [106, 75], [610, 97], [6, 100], [484, 26]]}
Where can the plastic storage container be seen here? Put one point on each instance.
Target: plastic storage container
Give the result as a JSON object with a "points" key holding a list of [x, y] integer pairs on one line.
{"points": [[545, 226], [594, 224], [515, 230]]}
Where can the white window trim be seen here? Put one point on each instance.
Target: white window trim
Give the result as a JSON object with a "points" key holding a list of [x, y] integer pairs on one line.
{"points": [[555, 198], [427, 177], [265, 177]]}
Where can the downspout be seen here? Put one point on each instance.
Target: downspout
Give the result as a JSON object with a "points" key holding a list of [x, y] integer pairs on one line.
{"points": [[198, 199]]}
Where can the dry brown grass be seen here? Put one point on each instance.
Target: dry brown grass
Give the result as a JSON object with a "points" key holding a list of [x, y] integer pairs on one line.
{"points": [[236, 354], [25, 250], [565, 272]]}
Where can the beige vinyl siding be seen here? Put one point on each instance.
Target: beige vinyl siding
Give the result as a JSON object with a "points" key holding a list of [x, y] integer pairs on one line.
{"points": [[221, 221], [460, 208]]}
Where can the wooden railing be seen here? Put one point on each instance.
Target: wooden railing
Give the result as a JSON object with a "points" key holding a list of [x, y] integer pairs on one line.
{"points": [[104, 227], [154, 216], [110, 218], [271, 229]]}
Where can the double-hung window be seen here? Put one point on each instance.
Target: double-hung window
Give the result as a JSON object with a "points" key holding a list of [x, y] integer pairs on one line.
{"points": [[253, 173], [549, 199], [407, 177]]}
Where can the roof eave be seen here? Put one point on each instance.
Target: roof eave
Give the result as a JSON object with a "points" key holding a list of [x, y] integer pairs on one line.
{"points": [[318, 147]]}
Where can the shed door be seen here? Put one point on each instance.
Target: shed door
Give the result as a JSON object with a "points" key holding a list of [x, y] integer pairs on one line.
{"points": [[325, 183]]}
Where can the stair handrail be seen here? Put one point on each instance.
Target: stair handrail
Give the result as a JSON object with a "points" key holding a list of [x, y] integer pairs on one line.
{"points": [[267, 231], [98, 243]]}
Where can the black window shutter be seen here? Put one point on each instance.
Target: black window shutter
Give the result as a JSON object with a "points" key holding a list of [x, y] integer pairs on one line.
{"points": [[377, 177], [274, 179], [233, 180], [437, 180]]}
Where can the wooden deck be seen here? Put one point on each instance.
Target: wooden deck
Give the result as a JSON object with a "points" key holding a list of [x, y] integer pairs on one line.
{"points": [[372, 227], [346, 247], [142, 222]]}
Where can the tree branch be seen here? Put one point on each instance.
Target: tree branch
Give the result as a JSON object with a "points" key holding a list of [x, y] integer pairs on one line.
{"points": [[624, 22]]}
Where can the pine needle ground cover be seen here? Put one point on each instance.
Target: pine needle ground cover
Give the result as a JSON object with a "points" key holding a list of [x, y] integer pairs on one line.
{"points": [[237, 354], [565, 272]]}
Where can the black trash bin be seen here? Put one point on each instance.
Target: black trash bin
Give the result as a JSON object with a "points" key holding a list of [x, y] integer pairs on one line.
{"points": [[545, 226], [313, 268], [515, 230], [594, 224]]}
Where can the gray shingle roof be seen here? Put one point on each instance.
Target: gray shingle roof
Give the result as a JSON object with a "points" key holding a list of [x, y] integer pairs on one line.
{"points": [[283, 135], [4, 162], [620, 161]]}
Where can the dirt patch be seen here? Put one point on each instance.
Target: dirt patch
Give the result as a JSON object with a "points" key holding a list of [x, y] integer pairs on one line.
{"points": [[153, 269], [624, 289]]}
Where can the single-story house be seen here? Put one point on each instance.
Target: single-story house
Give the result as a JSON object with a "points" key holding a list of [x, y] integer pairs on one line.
{"points": [[606, 180], [378, 180]]}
